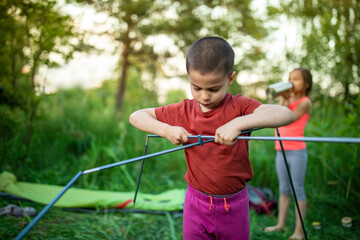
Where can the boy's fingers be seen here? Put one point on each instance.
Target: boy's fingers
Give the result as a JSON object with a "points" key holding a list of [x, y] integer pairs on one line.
{"points": [[221, 140], [187, 133], [185, 136], [218, 139]]}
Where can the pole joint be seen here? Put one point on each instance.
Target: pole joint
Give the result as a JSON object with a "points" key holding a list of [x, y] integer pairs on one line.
{"points": [[200, 140]]}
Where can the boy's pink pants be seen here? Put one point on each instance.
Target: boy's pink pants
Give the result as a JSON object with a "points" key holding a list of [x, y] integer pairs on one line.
{"points": [[207, 217]]}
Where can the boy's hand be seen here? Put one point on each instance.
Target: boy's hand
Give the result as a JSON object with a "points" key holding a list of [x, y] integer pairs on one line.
{"points": [[177, 135], [227, 134]]}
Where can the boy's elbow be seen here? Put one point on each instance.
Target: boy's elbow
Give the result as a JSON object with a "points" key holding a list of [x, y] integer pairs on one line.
{"points": [[290, 116], [284, 116], [132, 118]]}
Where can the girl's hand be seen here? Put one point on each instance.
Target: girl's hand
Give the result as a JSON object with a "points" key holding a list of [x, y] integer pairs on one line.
{"points": [[285, 100], [227, 134], [285, 94], [177, 135]]}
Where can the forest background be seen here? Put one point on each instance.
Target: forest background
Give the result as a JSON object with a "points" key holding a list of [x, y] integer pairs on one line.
{"points": [[47, 137]]}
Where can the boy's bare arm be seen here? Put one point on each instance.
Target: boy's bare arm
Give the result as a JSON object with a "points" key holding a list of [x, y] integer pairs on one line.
{"points": [[268, 115], [265, 115], [145, 120], [303, 107]]}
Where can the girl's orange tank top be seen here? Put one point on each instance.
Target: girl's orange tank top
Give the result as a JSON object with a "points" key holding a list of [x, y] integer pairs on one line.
{"points": [[295, 129]]}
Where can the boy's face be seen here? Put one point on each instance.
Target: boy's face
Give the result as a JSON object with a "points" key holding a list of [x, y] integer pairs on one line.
{"points": [[209, 89]]}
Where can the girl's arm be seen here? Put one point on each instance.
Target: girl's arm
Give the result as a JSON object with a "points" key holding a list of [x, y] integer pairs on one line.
{"points": [[265, 115], [303, 107], [145, 120]]}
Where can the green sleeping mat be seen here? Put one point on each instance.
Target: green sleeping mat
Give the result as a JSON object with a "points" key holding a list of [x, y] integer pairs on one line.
{"points": [[172, 200]]}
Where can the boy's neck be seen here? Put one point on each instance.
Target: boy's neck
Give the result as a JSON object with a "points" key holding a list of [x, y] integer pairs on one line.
{"points": [[204, 110]]}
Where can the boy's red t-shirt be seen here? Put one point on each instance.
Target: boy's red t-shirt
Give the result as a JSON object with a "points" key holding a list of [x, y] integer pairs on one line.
{"points": [[213, 168]]}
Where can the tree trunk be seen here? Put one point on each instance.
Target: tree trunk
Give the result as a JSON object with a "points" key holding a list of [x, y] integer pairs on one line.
{"points": [[13, 60], [122, 80], [34, 106], [124, 69]]}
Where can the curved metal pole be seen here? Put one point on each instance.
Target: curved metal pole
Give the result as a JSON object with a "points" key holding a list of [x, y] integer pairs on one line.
{"points": [[45, 209], [291, 184], [73, 180], [302, 139], [199, 137], [141, 169], [131, 160]]}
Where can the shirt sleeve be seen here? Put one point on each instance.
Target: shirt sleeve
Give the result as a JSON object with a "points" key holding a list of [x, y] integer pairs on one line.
{"points": [[247, 105], [170, 114]]}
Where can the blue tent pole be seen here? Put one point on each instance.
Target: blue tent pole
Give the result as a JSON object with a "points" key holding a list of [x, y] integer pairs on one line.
{"points": [[131, 160], [296, 139], [291, 184], [157, 136], [72, 181], [141, 169], [45, 209]]}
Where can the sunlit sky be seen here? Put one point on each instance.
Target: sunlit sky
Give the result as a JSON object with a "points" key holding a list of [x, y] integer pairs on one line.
{"points": [[89, 70]]}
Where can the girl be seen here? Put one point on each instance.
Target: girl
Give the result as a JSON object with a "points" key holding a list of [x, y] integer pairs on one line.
{"points": [[298, 101]]}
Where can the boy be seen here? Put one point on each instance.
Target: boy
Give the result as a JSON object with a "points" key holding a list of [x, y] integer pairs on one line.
{"points": [[216, 200]]}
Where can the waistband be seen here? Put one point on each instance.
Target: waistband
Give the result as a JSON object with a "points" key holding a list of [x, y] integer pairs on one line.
{"points": [[217, 199]]}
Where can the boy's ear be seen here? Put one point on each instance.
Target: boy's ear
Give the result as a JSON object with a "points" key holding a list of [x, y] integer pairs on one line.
{"points": [[232, 78]]}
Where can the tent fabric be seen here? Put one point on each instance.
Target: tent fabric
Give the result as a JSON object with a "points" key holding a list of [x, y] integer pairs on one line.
{"points": [[171, 200]]}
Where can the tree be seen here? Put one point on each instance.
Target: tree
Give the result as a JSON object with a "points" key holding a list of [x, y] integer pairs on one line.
{"points": [[181, 21], [29, 32], [331, 40]]}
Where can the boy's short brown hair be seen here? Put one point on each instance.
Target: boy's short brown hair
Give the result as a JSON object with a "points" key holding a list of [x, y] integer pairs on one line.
{"points": [[210, 55]]}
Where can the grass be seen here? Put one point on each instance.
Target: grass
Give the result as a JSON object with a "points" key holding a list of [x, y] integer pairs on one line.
{"points": [[60, 224], [76, 130]]}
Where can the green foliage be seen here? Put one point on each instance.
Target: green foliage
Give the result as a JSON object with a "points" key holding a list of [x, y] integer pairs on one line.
{"points": [[174, 96], [235, 88], [331, 41], [139, 92], [29, 32], [183, 22]]}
